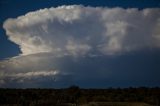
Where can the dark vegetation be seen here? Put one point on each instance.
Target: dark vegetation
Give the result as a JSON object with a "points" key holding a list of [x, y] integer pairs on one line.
{"points": [[74, 96]]}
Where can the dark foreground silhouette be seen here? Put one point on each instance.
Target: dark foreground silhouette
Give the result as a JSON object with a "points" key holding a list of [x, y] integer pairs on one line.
{"points": [[74, 96]]}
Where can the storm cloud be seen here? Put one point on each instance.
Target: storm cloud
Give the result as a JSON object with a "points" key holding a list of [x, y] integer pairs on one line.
{"points": [[59, 43], [79, 30]]}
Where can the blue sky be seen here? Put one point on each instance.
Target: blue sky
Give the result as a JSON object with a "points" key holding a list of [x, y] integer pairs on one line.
{"points": [[89, 47]]}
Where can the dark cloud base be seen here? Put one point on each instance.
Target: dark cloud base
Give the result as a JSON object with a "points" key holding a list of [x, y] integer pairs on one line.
{"points": [[131, 69]]}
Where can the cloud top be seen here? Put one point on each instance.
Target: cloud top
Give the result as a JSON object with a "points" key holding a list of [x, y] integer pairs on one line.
{"points": [[67, 44], [77, 30]]}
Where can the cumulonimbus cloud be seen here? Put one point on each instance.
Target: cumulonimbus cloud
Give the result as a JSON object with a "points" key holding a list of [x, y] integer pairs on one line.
{"points": [[51, 38], [79, 30]]}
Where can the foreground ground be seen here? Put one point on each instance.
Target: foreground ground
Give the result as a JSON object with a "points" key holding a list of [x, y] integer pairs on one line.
{"points": [[74, 96]]}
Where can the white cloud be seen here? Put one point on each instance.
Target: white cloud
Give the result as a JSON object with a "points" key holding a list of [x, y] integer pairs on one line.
{"points": [[34, 74], [34, 69], [47, 35], [107, 30], [76, 49], [26, 76]]}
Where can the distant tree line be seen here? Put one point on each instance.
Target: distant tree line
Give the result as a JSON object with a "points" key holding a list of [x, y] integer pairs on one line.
{"points": [[75, 95]]}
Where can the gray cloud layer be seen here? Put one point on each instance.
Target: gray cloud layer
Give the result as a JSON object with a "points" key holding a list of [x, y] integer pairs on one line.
{"points": [[64, 41], [47, 70]]}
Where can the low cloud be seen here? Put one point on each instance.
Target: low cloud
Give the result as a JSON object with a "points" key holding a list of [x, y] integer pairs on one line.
{"points": [[47, 70], [25, 77]]}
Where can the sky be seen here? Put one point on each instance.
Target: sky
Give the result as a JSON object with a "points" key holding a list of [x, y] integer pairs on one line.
{"points": [[91, 44]]}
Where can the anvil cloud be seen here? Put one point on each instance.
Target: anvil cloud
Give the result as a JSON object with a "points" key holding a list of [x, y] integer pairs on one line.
{"points": [[48, 37], [79, 30]]}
